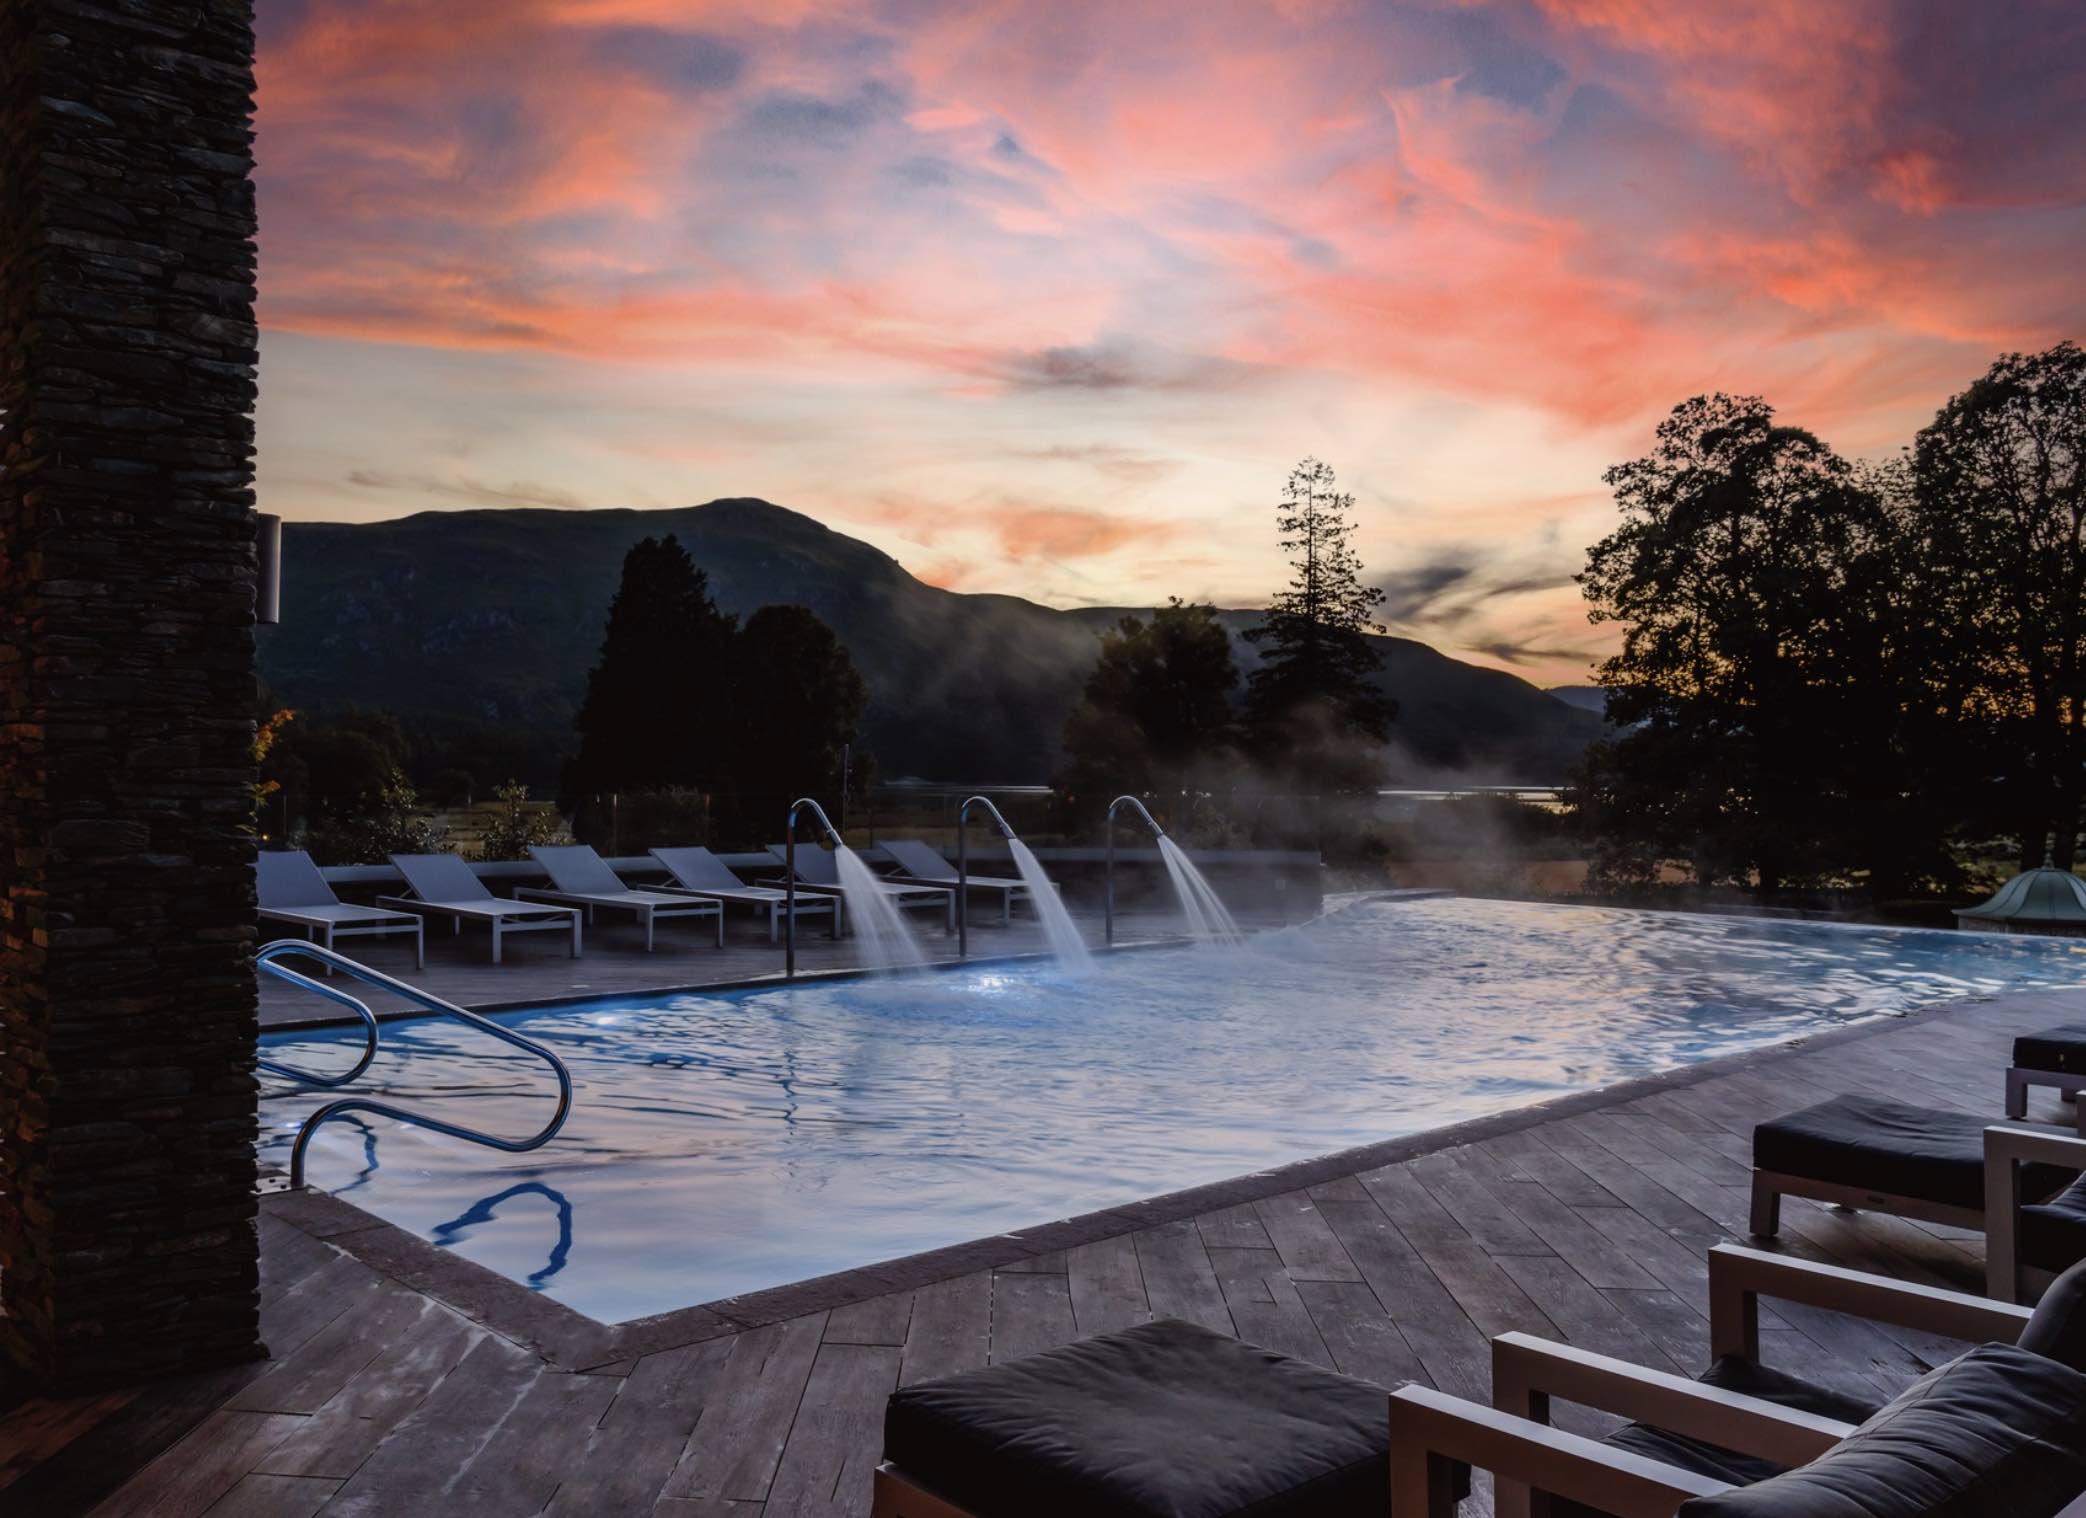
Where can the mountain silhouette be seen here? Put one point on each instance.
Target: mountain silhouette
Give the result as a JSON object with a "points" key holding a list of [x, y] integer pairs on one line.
{"points": [[495, 617]]}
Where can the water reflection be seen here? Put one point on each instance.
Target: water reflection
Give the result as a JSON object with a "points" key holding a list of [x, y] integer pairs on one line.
{"points": [[482, 1211]]}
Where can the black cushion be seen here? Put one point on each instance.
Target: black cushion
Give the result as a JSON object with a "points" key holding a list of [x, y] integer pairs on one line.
{"points": [[2062, 1050], [1753, 1380], [2053, 1233], [2058, 1329], [1165, 1418], [1927, 1153], [1997, 1432]]}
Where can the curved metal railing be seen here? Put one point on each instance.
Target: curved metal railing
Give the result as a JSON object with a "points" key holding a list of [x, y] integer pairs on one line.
{"points": [[296, 947], [355, 1004], [1108, 866], [963, 866]]}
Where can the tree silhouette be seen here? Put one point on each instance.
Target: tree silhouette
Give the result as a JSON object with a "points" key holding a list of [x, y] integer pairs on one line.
{"points": [[1156, 714], [655, 709], [1312, 704], [1758, 686], [2000, 485], [799, 701]]}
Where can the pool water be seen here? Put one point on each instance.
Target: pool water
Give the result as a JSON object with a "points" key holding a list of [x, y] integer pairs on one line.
{"points": [[724, 1143]]}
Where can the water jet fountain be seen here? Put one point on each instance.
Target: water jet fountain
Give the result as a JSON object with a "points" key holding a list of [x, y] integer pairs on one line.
{"points": [[1209, 920], [886, 942], [1058, 928]]}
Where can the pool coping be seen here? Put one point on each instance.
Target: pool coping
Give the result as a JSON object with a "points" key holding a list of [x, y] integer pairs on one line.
{"points": [[570, 1340]]}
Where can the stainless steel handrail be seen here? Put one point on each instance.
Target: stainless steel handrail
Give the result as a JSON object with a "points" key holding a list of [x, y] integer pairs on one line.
{"points": [[1108, 866], [963, 867], [359, 1007], [291, 947]]}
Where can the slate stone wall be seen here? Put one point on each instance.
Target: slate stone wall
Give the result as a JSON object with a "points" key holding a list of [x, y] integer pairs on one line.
{"points": [[127, 1014]]}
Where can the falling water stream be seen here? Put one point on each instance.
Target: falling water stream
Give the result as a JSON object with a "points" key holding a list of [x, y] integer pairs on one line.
{"points": [[1209, 920], [1058, 928], [877, 920]]}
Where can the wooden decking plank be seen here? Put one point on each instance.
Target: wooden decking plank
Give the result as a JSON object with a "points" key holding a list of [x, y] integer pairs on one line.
{"points": [[737, 1443], [1178, 1279], [336, 1439], [633, 1448], [1448, 1257], [263, 1496], [521, 1464], [1050, 1262], [1359, 1334], [1571, 1238], [309, 1378], [1106, 1286], [1673, 1144], [1585, 1317], [40, 1428], [1345, 1189], [1531, 1159], [838, 1435], [1236, 1227], [199, 1468], [682, 1507], [1465, 1197], [1669, 1320], [1030, 1313], [427, 1449], [335, 1287], [288, 1255], [1648, 1196], [1266, 1306], [880, 1320], [1308, 1248], [951, 1329]]}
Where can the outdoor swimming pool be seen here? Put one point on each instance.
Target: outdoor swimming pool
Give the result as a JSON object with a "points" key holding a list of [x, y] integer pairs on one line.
{"points": [[725, 1143]]}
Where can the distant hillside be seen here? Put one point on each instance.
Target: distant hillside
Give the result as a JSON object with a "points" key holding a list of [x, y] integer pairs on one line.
{"points": [[1587, 698], [497, 615]]}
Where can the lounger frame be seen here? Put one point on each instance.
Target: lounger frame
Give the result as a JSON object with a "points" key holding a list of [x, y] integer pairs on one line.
{"points": [[2020, 1079], [1770, 1186], [2009, 1146], [647, 912], [544, 919], [893, 1494], [1431, 1431], [323, 930]]}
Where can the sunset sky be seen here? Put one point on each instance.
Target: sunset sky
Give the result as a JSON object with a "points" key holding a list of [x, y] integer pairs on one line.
{"points": [[1047, 297]]}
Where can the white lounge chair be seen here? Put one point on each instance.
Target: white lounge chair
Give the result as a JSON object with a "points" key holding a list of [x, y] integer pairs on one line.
{"points": [[698, 872], [442, 885], [817, 872], [293, 891], [581, 878], [917, 862]]}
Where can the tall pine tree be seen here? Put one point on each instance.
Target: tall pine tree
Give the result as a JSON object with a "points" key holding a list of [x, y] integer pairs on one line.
{"points": [[1312, 705], [655, 713]]}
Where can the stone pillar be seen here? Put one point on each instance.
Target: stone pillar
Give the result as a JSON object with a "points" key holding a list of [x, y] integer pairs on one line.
{"points": [[127, 1013]]}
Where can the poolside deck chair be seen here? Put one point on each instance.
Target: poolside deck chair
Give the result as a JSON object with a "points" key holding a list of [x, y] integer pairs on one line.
{"points": [[817, 872], [581, 878], [919, 864], [442, 885], [698, 872], [293, 891], [2000, 1429], [2055, 1057], [1931, 1164]]}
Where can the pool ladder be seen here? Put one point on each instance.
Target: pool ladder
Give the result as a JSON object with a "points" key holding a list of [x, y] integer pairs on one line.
{"points": [[267, 960]]}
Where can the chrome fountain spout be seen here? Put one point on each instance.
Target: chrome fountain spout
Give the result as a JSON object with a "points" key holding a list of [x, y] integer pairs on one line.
{"points": [[831, 837], [963, 866], [1108, 868]]}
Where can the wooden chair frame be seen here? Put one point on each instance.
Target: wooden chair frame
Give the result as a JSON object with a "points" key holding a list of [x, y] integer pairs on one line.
{"points": [[2021, 1078], [2009, 1146], [1513, 1438]]}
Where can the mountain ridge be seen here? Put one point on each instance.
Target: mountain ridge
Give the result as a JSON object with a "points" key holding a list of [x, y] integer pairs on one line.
{"points": [[494, 615]]}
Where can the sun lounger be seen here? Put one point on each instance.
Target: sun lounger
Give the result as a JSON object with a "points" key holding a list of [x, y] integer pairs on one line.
{"points": [[922, 865], [2055, 1057], [442, 885], [293, 891], [698, 872], [817, 872], [581, 878], [2000, 1429]]}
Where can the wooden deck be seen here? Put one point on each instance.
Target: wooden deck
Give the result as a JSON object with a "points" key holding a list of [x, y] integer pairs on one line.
{"points": [[1588, 1226]]}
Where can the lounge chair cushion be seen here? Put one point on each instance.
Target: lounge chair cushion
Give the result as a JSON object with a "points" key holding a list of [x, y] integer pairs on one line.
{"points": [[1926, 1153], [2062, 1050], [1753, 1380], [1164, 1418], [1997, 1431], [2058, 1329]]}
